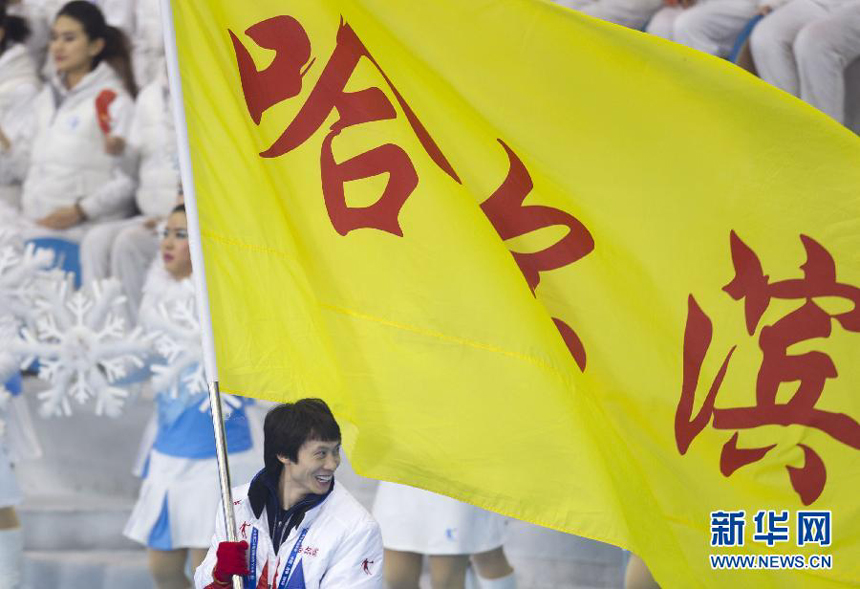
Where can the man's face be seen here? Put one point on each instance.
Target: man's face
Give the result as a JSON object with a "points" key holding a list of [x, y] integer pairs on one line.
{"points": [[314, 468]]}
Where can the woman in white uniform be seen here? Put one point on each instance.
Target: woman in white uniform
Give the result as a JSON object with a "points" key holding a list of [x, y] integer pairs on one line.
{"points": [[415, 523], [180, 492], [17, 441], [19, 84], [75, 177]]}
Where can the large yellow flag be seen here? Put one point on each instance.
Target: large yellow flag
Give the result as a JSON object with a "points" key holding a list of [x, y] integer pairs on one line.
{"points": [[543, 264]]}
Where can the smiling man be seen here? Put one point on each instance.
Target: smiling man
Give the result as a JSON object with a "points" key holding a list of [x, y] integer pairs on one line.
{"points": [[297, 528]]}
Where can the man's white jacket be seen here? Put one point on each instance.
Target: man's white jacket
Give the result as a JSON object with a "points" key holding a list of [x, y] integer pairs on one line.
{"points": [[342, 548]]}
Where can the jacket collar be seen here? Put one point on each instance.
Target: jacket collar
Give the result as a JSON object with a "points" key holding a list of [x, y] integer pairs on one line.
{"points": [[263, 495], [263, 492], [102, 76]]}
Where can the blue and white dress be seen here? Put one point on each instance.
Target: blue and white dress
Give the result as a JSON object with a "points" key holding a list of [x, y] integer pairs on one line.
{"points": [[180, 489], [18, 441], [415, 520]]}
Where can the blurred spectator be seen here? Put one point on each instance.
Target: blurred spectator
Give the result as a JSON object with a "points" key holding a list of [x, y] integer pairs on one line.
{"points": [[662, 24], [124, 249], [805, 47], [33, 11], [19, 84], [708, 25], [629, 13], [148, 46], [634, 14], [119, 14], [76, 174]]}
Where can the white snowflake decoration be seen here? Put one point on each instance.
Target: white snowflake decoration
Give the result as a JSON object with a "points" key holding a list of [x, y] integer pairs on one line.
{"points": [[176, 335], [175, 332], [24, 272], [9, 236], [83, 348], [9, 220]]}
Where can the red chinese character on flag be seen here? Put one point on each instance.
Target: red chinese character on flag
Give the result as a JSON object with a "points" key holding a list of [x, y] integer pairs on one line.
{"points": [[282, 80], [511, 218], [810, 370]]}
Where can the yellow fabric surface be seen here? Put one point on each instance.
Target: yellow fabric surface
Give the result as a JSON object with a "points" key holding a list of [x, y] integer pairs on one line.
{"points": [[630, 164]]}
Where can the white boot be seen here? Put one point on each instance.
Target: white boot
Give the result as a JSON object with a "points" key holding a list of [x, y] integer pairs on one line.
{"points": [[11, 557], [508, 582], [471, 578]]}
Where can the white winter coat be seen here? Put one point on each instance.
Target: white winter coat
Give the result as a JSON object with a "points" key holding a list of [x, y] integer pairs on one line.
{"points": [[119, 14], [342, 549], [148, 41], [68, 163], [19, 84], [153, 141]]}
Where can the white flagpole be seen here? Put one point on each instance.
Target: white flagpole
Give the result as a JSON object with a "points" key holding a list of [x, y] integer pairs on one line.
{"points": [[187, 175]]}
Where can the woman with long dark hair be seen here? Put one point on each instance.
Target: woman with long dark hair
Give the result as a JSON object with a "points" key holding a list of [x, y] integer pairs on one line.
{"points": [[78, 174], [19, 84]]}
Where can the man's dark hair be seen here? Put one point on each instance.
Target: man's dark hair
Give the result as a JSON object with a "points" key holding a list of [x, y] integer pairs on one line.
{"points": [[290, 425]]}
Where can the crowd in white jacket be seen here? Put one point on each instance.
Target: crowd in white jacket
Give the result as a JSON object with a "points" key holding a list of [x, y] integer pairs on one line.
{"points": [[19, 85], [56, 153], [808, 48], [55, 150]]}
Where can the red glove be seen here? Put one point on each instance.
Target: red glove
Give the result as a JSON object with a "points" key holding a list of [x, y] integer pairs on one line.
{"points": [[232, 560]]}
